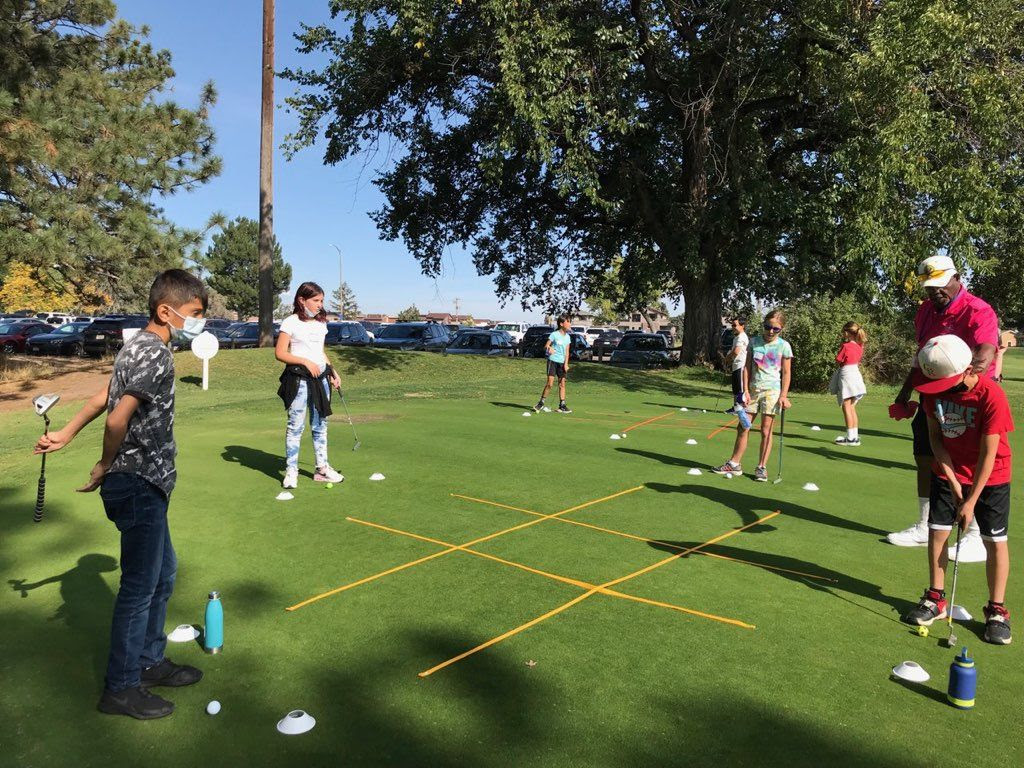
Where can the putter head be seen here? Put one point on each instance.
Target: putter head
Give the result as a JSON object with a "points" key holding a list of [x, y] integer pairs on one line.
{"points": [[951, 641], [355, 445], [43, 403], [776, 481]]}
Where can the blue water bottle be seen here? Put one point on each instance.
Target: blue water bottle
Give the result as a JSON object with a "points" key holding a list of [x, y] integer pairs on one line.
{"points": [[213, 637], [963, 681]]}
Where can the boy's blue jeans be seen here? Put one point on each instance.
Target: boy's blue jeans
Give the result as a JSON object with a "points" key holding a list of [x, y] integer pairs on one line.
{"points": [[148, 566]]}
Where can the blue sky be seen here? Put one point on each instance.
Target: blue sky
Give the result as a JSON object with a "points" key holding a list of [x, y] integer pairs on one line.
{"points": [[315, 205]]}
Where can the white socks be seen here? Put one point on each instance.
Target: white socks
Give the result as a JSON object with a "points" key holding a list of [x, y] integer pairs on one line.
{"points": [[923, 507], [853, 434]]}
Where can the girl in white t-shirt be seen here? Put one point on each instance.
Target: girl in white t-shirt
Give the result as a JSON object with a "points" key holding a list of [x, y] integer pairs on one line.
{"points": [[300, 346]]}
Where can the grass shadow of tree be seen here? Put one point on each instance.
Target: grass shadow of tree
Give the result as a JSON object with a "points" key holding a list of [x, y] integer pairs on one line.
{"points": [[270, 464], [359, 359]]}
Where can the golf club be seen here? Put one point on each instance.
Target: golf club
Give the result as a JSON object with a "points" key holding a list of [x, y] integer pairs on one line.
{"points": [[355, 437], [782, 441], [43, 404], [951, 639]]}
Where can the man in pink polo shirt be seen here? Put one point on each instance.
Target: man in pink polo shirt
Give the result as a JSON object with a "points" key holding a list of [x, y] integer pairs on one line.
{"points": [[949, 309]]}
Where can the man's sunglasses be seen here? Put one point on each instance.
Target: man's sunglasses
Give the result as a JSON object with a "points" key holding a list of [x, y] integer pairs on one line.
{"points": [[773, 328]]}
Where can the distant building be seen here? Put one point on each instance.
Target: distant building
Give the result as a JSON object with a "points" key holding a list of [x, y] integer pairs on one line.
{"points": [[1007, 339], [378, 318]]}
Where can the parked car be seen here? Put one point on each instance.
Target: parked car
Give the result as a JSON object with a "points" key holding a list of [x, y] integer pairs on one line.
{"points": [[642, 350], [534, 339], [58, 318], [217, 324], [477, 342], [244, 336], [105, 335], [515, 330], [372, 328], [580, 349], [413, 336], [607, 342], [347, 334], [594, 333], [579, 329], [14, 335], [68, 339]]}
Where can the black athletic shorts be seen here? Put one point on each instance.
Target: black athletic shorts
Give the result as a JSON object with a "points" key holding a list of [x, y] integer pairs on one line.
{"points": [[737, 383], [556, 369], [919, 425], [992, 510]]}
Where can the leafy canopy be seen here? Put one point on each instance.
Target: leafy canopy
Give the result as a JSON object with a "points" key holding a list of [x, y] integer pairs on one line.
{"points": [[232, 261], [88, 145]]}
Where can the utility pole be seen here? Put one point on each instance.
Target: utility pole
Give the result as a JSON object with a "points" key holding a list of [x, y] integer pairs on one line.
{"points": [[266, 266], [341, 284], [456, 309]]}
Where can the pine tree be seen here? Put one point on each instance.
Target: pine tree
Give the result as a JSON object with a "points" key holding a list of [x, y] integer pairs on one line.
{"points": [[343, 301], [233, 263]]}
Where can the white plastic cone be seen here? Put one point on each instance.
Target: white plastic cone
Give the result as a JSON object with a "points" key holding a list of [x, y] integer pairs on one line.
{"points": [[691, 441], [614, 437], [911, 671], [376, 476], [284, 496], [810, 487], [693, 471]]}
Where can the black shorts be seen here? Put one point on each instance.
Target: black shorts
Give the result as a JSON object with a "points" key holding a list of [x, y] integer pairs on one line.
{"points": [[992, 511], [919, 425], [737, 383], [556, 369]]}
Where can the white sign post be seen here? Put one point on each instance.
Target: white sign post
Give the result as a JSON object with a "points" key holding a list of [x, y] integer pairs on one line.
{"points": [[205, 347]]}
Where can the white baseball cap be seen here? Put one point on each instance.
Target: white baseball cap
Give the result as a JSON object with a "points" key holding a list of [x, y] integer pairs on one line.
{"points": [[940, 364], [936, 271]]}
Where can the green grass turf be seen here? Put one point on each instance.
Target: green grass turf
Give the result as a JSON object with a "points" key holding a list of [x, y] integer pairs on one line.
{"points": [[616, 683]]}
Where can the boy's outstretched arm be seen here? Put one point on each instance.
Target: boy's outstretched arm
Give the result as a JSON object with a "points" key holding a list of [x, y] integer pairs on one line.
{"points": [[113, 436], [93, 407]]}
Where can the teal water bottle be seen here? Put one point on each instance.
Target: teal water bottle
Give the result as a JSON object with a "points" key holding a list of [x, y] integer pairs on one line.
{"points": [[213, 637], [963, 681]]}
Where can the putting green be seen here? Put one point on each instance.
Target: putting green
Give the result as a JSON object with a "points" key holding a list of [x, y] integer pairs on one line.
{"points": [[780, 655]]}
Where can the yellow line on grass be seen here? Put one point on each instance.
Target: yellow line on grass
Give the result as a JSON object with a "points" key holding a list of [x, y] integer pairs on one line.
{"points": [[585, 595]]}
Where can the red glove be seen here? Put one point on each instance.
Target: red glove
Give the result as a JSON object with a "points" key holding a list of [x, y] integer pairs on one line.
{"points": [[902, 410]]}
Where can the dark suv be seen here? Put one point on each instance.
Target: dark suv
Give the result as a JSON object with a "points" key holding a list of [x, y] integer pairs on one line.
{"points": [[413, 336], [105, 335], [346, 334], [534, 339]]}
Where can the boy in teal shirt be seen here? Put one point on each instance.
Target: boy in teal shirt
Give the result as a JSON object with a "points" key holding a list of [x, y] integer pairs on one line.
{"points": [[765, 390], [557, 351]]}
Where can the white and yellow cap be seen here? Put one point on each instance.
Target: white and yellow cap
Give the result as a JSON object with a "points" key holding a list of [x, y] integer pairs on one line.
{"points": [[936, 271]]}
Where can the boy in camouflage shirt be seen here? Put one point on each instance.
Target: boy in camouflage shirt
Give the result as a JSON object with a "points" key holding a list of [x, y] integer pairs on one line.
{"points": [[136, 476]]}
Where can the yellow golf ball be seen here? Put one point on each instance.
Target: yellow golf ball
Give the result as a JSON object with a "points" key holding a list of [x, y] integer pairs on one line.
{"points": [[329, 485], [922, 631]]}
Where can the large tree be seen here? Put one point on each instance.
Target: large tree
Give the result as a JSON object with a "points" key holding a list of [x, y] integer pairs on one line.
{"points": [[89, 142], [232, 261], [788, 147]]}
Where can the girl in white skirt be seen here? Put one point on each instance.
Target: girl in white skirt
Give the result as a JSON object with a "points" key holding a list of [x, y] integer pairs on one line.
{"points": [[847, 383]]}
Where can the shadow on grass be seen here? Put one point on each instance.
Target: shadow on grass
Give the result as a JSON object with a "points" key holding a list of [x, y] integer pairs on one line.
{"points": [[922, 690], [270, 464], [86, 610], [748, 506], [851, 454], [516, 406], [839, 581], [195, 380], [631, 381], [842, 429], [358, 359]]}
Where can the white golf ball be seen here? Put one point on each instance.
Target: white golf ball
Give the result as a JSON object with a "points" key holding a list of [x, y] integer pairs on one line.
{"points": [[728, 475], [213, 707]]}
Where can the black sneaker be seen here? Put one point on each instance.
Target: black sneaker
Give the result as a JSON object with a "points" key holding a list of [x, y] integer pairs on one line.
{"points": [[563, 408], [931, 608], [538, 407], [135, 702], [997, 625], [169, 674]]}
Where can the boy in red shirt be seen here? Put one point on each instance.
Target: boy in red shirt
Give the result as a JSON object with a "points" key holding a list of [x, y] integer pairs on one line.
{"points": [[968, 420]]}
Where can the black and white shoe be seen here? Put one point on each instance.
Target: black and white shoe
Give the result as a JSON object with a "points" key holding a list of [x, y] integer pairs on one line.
{"points": [[932, 607], [761, 474], [563, 408], [997, 625], [847, 441], [538, 407], [134, 702]]}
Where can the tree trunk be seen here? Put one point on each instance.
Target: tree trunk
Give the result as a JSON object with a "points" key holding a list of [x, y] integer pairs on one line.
{"points": [[702, 323], [266, 240]]}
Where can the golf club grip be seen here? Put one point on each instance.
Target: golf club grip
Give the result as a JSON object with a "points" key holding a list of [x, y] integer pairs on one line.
{"points": [[40, 498]]}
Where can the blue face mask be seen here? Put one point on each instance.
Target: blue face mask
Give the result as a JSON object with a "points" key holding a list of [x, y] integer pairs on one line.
{"points": [[191, 327]]}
